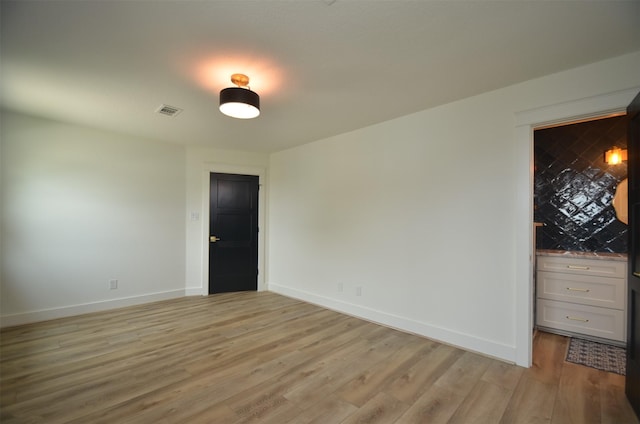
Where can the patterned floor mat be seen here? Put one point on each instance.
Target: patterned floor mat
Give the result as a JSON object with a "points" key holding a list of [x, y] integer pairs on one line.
{"points": [[597, 355]]}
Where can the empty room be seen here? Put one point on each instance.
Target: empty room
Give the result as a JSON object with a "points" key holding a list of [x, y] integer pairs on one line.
{"points": [[323, 211]]}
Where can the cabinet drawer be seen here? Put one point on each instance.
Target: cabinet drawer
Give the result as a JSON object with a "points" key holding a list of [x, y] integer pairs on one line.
{"points": [[588, 290], [594, 267], [583, 319]]}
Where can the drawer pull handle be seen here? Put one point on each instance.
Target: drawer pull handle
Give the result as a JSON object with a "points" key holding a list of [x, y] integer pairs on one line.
{"points": [[578, 290], [577, 319], [577, 267], [637, 274]]}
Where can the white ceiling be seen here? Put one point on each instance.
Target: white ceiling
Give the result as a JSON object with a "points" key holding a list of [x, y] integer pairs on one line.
{"points": [[321, 67]]}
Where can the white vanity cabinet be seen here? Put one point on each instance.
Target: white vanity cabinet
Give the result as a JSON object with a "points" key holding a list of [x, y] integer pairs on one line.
{"points": [[581, 296]]}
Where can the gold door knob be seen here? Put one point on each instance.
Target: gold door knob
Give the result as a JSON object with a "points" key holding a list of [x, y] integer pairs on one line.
{"points": [[213, 239]]}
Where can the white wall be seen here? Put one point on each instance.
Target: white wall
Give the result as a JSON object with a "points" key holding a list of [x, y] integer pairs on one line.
{"points": [[81, 207], [200, 162], [424, 213]]}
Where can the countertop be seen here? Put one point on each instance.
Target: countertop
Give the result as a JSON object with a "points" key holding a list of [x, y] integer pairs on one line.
{"points": [[622, 257]]}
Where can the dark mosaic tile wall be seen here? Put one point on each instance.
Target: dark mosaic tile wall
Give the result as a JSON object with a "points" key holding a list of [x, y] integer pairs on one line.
{"points": [[574, 186]]}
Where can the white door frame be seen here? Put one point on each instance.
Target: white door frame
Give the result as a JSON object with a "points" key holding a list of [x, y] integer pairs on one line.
{"points": [[525, 122]]}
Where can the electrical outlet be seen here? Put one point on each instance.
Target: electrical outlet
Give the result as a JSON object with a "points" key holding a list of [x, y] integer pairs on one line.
{"points": [[359, 291], [113, 284]]}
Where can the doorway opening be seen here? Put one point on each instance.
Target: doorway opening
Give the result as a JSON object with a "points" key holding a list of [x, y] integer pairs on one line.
{"points": [[580, 242], [526, 121]]}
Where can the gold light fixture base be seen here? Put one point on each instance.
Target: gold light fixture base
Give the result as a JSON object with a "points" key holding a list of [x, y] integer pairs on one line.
{"points": [[241, 80]]}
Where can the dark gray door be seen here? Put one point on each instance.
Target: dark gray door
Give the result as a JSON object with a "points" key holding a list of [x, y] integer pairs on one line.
{"points": [[632, 381], [233, 233]]}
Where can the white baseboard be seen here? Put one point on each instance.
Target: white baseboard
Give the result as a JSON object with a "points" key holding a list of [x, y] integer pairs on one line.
{"points": [[67, 311], [464, 341], [196, 291]]}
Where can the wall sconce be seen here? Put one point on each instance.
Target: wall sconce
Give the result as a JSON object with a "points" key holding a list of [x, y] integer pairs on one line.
{"points": [[615, 156], [240, 102]]}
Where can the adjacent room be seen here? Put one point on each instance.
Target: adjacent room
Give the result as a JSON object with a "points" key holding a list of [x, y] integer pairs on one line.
{"points": [[324, 211]]}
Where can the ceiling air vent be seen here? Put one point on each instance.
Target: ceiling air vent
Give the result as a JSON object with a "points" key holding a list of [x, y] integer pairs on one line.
{"points": [[168, 110]]}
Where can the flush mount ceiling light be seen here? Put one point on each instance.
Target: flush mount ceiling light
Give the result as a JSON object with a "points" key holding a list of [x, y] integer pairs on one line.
{"points": [[240, 102], [615, 156]]}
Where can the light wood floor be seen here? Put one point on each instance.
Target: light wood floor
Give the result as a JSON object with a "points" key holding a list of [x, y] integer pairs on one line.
{"points": [[264, 358]]}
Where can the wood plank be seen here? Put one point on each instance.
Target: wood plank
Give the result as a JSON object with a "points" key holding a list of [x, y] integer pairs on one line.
{"points": [[445, 396], [331, 409], [380, 409], [532, 402], [550, 351], [412, 384], [436, 405], [615, 406], [368, 382], [486, 403], [578, 398], [503, 375]]}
